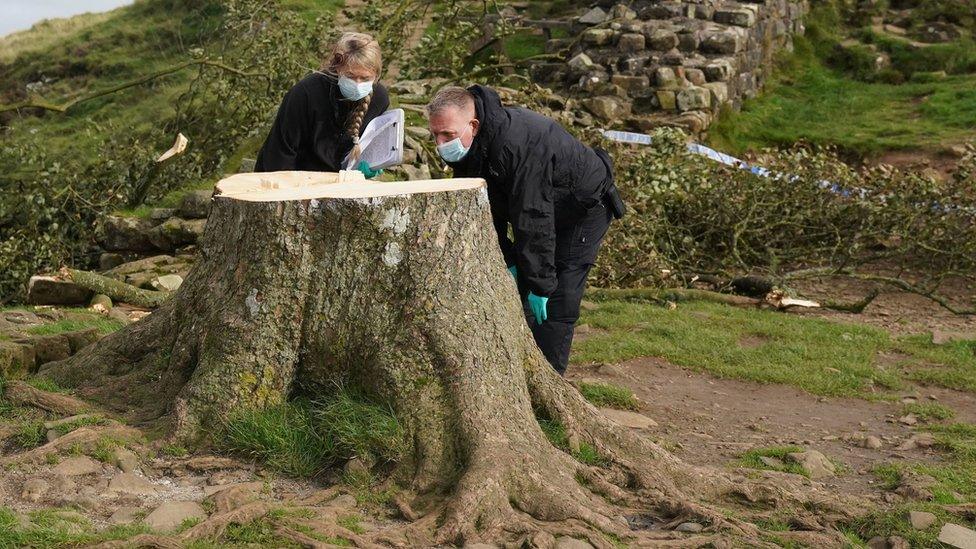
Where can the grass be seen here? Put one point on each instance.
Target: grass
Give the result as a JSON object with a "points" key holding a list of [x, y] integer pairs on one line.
{"points": [[556, 433], [819, 356], [929, 411], [814, 96], [57, 528], [103, 324], [753, 459], [302, 438], [609, 396]]}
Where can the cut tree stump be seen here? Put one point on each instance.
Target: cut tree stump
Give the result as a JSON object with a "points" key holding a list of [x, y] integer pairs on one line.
{"points": [[400, 290]]}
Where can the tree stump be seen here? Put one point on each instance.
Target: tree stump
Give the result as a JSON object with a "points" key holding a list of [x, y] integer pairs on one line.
{"points": [[400, 289]]}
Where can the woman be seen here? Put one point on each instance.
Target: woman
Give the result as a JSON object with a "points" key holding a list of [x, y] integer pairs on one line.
{"points": [[322, 117]]}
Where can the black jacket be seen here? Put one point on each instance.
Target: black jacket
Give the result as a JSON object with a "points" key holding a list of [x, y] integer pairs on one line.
{"points": [[309, 132], [540, 180]]}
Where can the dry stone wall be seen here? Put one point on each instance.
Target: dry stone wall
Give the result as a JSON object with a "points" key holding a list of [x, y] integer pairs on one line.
{"points": [[648, 63]]}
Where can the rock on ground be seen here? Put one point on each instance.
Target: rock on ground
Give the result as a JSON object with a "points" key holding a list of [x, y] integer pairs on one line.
{"points": [[815, 463], [957, 536], [77, 466], [170, 515]]}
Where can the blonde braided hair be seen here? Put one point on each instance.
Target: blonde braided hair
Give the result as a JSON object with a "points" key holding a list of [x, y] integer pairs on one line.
{"points": [[355, 50]]}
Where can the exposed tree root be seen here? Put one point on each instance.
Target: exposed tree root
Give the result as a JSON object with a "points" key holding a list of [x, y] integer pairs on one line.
{"points": [[142, 541], [216, 525], [22, 394], [86, 438]]}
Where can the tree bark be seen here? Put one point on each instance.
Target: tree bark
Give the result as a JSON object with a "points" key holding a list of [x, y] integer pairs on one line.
{"points": [[400, 289]]}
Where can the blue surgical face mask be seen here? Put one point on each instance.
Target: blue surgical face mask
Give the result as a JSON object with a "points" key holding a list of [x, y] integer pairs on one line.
{"points": [[453, 150], [352, 90]]}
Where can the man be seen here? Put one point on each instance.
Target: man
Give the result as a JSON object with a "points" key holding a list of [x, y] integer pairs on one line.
{"points": [[555, 192]]}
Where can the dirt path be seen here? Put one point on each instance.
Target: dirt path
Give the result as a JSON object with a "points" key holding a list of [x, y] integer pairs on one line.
{"points": [[712, 421]]}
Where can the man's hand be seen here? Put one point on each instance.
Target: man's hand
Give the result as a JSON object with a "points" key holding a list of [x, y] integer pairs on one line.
{"points": [[370, 173], [514, 272], [538, 306]]}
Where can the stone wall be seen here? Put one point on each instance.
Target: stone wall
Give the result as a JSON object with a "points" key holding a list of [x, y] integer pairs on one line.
{"points": [[647, 63]]}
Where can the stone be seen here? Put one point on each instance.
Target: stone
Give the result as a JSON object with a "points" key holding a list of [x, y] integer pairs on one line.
{"points": [[916, 486], [48, 348], [126, 234], [815, 463], [126, 515], [101, 303], [167, 283], [49, 290], [344, 501], [109, 260], [704, 11], [608, 108], [129, 483], [667, 99], [77, 466], [772, 462], [195, 205], [871, 442], [695, 76], [721, 42], [690, 527], [693, 98], [593, 17], [720, 70], [895, 542], [622, 11], [921, 520], [34, 489], [666, 78], [661, 40], [480, 546], [631, 43], [877, 542], [719, 91], [566, 542], [161, 214], [176, 232], [908, 419], [631, 83], [629, 419], [126, 460], [958, 536], [171, 514], [742, 17], [598, 37], [581, 62], [674, 58], [688, 41]]}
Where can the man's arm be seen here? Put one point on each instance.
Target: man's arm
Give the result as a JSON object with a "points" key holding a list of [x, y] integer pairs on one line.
{"points": [[280, 149], [530, 206]]}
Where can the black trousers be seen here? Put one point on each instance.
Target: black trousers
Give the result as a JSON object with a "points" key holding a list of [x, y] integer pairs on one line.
{"points": [[577, 244]]}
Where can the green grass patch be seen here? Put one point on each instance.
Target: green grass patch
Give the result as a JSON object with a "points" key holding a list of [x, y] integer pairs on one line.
{"points": [[357, 427], [78, 321], [609, 396], [283, 436], [928, 410], [46, 384], [820, 95], [57, 528], [819, 356], [556, 433], [302, 437], [523, 45], [752, 459]]}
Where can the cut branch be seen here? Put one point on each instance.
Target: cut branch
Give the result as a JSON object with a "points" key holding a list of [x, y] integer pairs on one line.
{"points": [[115, 289]]}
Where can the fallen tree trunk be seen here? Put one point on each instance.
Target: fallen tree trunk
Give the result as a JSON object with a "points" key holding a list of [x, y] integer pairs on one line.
{"points": [[399, 290]]}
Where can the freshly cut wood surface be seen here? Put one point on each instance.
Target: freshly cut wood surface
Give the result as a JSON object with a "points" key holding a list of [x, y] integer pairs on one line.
{"points": [[284, 186]]}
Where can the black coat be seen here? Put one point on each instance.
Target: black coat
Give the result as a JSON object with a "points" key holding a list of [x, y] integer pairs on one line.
{"points": [[309, 132], [540, 180]]}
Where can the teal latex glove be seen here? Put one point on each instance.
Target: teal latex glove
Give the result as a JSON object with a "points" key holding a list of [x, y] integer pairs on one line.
{"points": [[514, 272], [538, 306], [370, 173]]}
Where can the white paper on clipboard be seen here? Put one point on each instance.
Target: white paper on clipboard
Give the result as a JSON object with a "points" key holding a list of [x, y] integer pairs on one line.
{"points": [[382, 141]]}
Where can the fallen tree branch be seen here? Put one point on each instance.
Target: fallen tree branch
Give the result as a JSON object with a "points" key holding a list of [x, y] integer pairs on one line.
{"points": [[23, 394], [856, 307], [117, 290], [37, 103], [672, 294]]}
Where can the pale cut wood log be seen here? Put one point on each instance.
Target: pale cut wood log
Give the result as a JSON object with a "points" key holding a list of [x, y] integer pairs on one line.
{"points": [[296, 185]]}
